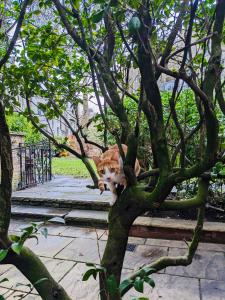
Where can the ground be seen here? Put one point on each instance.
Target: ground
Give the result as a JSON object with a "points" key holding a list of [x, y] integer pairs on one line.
{"points": [[67, 248], [70, 166]]}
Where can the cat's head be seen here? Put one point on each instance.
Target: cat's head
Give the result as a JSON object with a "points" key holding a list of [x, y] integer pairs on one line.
{"points": [[107, 169]]}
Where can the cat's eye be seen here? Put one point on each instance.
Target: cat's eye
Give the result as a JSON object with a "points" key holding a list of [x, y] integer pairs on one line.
{"points": [[102, 172], [112, 170]]}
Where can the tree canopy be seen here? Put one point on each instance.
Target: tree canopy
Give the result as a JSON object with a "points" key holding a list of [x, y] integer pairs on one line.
{"points": [[121, 53]]}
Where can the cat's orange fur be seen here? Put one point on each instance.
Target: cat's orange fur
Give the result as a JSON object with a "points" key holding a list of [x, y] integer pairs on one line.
{"points": [[110, 170]]}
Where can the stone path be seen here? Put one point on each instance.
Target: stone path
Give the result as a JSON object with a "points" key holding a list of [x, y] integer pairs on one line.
{"points": [[64, 188], [67, 248]]}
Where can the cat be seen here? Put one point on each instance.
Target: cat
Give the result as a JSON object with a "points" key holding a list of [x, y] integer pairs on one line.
{"points": [[110, 170]]}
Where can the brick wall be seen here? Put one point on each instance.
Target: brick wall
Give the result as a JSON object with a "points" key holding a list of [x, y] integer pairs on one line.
{"points": [[16, 139]]}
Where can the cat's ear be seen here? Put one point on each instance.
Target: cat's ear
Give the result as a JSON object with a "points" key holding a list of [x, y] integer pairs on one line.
{"points": [[115, 156], [96, 160]]}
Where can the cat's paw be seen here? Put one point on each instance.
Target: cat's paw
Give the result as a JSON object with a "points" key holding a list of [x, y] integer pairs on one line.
{"points": [[101, 187]]}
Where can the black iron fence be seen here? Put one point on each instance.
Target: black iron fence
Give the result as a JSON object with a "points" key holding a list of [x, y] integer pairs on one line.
{"points": [[34, 164]]}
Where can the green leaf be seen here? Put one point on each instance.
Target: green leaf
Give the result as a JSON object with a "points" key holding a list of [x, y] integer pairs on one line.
{"points": [[57, 220], [213, 175], [76, 4], [44, 231], [3, 253], [125, 284], [23, 284], [150, 281], [17, 247], [98, 16], [90, 265], [222, 172], [4, 280], [28, 229], [14, 238], [90, 272], [140, 298], [139, 284], [2, 298]]}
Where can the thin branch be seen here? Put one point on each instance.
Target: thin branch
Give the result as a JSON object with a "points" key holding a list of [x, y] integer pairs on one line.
{"points": [[190, 45], [16, 33], [126, 43]]}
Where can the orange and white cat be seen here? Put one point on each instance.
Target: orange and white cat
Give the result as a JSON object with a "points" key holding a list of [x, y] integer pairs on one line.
{"points": [[110, 170]]}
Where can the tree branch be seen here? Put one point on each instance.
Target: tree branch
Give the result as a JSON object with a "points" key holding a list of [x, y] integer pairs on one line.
{"points": [[185, 260], [16, 33]]}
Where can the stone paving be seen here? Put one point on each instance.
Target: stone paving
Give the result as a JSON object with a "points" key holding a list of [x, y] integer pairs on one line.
{"points": [[64, 188], [67, 248]]}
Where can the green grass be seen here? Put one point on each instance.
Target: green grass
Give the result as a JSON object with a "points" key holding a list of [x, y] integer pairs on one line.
{"points": [[70, 166]]}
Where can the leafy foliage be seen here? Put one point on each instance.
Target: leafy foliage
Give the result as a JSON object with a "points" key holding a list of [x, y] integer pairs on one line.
{"points": [[19, 123]]}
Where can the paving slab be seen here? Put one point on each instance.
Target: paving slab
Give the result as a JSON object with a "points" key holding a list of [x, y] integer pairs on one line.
{"points": [[24, 296], [143, 255], [63, 190], [57, 268], [36, 212], [4, 269], [212, 290], [206, 265], [16, 224], [83, 232], [131, 239], [182, 244], [48, 247], [83, 250], [169, 288], [84, 217], [5, 292], [166, 243], [78, 289]]}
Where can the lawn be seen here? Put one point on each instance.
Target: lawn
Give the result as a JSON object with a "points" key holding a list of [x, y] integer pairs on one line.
{"points": [[69, 166]]}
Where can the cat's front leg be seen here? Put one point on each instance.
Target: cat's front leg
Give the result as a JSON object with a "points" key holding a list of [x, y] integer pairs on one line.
{"points": [[124, 182], [112, 188], [101, 185]]}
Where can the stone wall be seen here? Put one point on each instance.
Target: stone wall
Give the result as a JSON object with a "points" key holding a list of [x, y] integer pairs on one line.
{"points": [[16, 139]]}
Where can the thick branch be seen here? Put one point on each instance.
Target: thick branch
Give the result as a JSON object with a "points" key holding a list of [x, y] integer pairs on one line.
{"points": [[185, 260], [34, 270]]}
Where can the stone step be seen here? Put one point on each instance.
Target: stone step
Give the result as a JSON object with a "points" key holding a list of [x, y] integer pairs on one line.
{"points": [[83, 204], [37, 212], [87, 218], [145, 227]]}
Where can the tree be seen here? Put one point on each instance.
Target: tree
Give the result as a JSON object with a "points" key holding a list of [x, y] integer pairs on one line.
{"points": [[181, 40], [105, 40], [13, 252]]}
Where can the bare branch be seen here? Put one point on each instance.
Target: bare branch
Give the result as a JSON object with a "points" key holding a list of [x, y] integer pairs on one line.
{"points": [[16, 33]]}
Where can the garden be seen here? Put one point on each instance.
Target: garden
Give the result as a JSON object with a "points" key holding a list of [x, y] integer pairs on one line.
{"points": [[128, 96]]}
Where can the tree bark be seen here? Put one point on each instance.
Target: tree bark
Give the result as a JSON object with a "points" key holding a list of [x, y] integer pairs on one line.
{"points": [[33, 269]]}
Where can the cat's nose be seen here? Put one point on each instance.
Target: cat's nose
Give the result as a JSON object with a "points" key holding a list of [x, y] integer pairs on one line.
{"points": [[108, 178]]}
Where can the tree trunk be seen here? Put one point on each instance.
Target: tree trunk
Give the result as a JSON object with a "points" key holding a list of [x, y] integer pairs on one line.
{"points": [[27, 262], [121, 217]]}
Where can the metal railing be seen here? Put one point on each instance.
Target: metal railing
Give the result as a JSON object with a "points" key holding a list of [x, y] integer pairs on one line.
{"points": [[34, 164]]}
